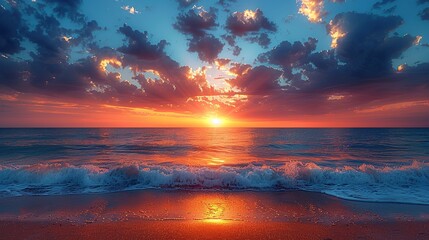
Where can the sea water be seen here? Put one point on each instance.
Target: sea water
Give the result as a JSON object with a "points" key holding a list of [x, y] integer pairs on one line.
{"points": [[381, 165]]}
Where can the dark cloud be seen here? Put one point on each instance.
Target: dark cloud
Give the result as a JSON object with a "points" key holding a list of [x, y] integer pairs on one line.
{"points": [[288, 55], [85, 35], [263, 40], [257, 80], [67, 8], [10, 36], [226, 4], [230, 39], [196, 23], [47, 36], [382, 3], [424, 14], [252, 24], [390, 10], [208, 47], [186, 3], [236, 51], [367, 48], [176, 84], [358, 73], [47, 70], [422, 1], [242, 23], [139, 45], [11, 73]]}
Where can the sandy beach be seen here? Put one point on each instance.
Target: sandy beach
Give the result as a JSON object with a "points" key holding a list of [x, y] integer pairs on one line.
{"points": [[152, 214], [199, 230]]}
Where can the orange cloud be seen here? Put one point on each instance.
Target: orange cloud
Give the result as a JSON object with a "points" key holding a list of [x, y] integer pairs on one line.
{"points": [[417, 40], [336, 33], [401, 67], [130, 9], [109, 61], [313, 10], [395, 106], [335, 97]]}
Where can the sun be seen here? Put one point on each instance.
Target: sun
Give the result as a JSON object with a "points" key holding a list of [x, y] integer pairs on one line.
{"points": [[216, 122]]}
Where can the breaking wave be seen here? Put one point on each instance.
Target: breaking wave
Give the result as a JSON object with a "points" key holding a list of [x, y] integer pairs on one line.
{"points": [[407, 184]]}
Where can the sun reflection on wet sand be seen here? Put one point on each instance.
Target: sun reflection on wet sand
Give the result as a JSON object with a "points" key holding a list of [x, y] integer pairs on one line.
{"points": [[214, 213], [215, 210]]}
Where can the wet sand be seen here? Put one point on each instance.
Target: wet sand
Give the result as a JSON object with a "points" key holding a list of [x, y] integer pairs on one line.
{"points": [[152, 214]]}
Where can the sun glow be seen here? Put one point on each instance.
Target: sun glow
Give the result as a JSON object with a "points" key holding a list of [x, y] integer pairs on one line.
{"points": [[216, 122]]}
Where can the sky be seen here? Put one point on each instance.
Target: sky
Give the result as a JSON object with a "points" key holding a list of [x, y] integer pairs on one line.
{"points": [[199, 63]]}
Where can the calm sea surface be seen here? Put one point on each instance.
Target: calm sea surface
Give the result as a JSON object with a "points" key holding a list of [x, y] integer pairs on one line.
{"points": [[389, 165]]}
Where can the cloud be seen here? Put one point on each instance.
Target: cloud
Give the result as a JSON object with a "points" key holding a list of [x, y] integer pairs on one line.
{"points": [[382, 3], [390, 10], [10, 37], [139, 45], [68, 8], [225, 3], [365, 44], [357, 74], [242, 23], [252, 24], [424, 14], [196, 22], [208, 47], [130, 9], [257, 80], [230, 39], [288, 55], [186, 3], [175, 83], [313, 10], [263, 40], [85, 35], [236, 50]]}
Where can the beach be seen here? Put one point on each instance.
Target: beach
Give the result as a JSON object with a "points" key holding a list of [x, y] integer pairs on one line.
{"points": [[158, 214]]}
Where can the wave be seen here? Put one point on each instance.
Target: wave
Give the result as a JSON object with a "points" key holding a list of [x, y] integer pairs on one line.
{"points": [[407, 184]]}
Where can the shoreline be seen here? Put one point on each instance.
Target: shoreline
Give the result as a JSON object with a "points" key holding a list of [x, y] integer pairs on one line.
{"points": [[157, 214]]}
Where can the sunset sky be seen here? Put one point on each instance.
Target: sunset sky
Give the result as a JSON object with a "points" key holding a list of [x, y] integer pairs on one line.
{"points": [[197, 63]]}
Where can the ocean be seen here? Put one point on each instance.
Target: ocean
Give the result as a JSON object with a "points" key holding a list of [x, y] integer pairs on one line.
{"points": [[376, 165]]}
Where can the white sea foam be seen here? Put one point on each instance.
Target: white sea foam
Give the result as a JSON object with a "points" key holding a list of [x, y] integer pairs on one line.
{"points": [[407, 184]]}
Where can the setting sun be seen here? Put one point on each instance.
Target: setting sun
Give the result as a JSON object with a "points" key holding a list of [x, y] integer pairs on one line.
{"points": [[216, 122]]}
